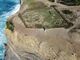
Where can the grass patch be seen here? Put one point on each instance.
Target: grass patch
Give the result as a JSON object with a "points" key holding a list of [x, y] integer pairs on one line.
{"points": [[43, 16]]}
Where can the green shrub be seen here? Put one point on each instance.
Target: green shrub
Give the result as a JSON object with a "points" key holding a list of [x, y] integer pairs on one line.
{"points": [[10, 26]]}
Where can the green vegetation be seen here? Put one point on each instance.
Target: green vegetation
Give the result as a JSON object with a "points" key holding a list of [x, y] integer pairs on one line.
{"points": [[78, 2], [38, 15], [67, 11], [10, 26], [69, 15], [71, 2]]}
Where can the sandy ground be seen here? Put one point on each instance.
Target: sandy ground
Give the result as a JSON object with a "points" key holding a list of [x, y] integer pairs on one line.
{"points": [[46, 44], [37, 44]]}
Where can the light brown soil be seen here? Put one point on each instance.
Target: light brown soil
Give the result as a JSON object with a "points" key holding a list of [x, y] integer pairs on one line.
{"points": [[37, 44]]}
